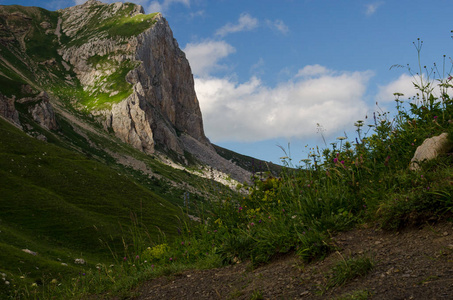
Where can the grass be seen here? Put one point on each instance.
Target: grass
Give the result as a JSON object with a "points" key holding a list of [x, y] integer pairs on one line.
{"points": [[61, 204], [119, 25], [348, 269]]}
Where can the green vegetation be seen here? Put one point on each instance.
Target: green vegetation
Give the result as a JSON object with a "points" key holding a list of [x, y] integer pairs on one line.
{"points": [[121, 24], [348, 269], [337, 188], [127, 26]]}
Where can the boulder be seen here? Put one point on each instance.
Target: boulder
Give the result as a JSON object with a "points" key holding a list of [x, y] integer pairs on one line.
{"points": [[430, 149]]}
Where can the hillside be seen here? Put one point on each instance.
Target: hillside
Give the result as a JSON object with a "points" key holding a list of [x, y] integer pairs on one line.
{"points": [[96, 140]]}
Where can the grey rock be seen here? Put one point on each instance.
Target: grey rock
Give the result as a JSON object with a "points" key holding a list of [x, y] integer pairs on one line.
{"points": [[163, 103], [8, 109], [430, 149]]}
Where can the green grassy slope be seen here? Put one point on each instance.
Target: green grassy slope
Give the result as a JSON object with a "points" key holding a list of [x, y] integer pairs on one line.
{"points": [[61, 204]]}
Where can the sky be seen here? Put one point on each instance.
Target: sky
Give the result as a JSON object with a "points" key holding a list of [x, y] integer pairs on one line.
{"points": [[298, 73]]}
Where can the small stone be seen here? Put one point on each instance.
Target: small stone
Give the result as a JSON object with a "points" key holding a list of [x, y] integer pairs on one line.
{"points": [[445, 233]]}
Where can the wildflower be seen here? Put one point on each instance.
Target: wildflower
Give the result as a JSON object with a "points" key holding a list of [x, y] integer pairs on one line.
{"points": [[137, 257], [125, 258], [342, 162], [252, 224], [215, 231], [283, 210], [293, 217], [7, 282], [335, 160], [171, 258], [259, 221], [435, 118], [34, 284], [240, 209], [182, 243], [54, 281]]}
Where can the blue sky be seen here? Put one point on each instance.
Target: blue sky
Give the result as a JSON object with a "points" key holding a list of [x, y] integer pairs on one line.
{"points": [[267, 72]]}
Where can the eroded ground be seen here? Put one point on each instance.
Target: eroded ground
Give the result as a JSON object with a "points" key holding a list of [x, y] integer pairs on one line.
{"points": [[416, 263]]}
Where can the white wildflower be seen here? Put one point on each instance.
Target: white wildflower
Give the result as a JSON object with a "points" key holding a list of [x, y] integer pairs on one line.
{"points": [[79, 261]]}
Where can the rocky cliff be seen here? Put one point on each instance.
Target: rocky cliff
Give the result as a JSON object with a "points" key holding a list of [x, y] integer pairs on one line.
{"points": [[109, 62], [162, 102]]}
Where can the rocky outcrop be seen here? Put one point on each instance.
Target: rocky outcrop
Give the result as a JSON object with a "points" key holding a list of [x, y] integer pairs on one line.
{"points": [[168, 85], [41, 110], [8, 109], [430, 149], [162, 104]]}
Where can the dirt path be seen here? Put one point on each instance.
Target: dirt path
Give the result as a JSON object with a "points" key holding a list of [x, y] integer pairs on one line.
{"points": [[416, 263]]}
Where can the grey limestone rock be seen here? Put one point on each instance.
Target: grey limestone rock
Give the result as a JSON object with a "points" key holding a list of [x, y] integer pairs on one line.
{"points": [[8, 109], [163, 103], [430, 149]]}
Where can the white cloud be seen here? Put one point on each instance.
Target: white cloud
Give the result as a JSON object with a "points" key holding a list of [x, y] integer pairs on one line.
{"points": [[157, 6], [372, 8], [245, 23], [204, 56], [404, 85], [252, 111], [312, 70], [401, 85], [278, 25]]}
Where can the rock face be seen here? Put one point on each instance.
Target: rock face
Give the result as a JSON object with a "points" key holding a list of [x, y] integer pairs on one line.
{"points": [[8, 109], [430, 149], [39, 108], [161, 104], [42, 112], [112, 63]]}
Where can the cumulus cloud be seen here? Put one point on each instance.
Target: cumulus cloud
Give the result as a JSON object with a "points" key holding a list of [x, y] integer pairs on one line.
{"points": [[162, 6], [312, 70], [252, 111], [245, 23], [370, 9], [278, 25], [204, 56], [401, 85], [404, 85]]}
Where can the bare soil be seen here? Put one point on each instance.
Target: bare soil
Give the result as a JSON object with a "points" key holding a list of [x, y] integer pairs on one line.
{"points": [[416, 263]]}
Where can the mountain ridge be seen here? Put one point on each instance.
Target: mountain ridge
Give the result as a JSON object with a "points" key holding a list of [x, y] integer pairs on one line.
{"points": [[125, 73]]}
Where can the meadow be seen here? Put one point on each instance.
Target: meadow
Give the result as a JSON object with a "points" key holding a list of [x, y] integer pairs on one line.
{"points": [[347, 183]]}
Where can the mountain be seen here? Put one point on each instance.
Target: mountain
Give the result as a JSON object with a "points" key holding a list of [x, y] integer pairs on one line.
{"points": [[102, 138], [110, 66]]}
